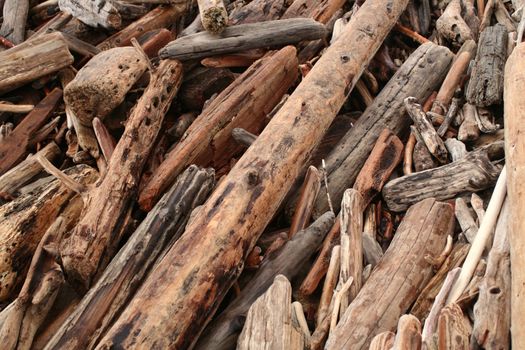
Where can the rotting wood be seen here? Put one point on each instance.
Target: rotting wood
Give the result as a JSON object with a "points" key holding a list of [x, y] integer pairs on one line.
{"points": [[214, 17], [94, 13], [418, 77], [401, 275], [244, 37], [94, 240], [473, 173], [144, 248], [244, 103]]}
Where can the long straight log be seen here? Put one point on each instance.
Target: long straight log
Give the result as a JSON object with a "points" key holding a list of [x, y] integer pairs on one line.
{"points": [[398, 278], [94, 240], [131, 265], [418, 77], [188, 285], [515, 157], [244, 103]]}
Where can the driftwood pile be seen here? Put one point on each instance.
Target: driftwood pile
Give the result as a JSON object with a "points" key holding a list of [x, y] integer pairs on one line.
{"points": [[262, 174]]}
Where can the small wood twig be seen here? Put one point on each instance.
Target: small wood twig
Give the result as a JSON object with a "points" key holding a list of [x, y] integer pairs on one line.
{"points": [[65, 179], [410, 33], [11, 108], [105, 140]]}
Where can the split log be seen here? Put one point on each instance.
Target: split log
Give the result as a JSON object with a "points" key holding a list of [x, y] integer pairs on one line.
{"points": [[95, 13], [14, 20], [222, 332], [244, 103], [20, 175], [16, 145], [408, 336], [320, 10], [92, 243], [383, 159], [197, 271], [269, 324], [418, 77], [492, 310], [214, 17], [473, 173], [400, 276], [32, 60], [128, 269], [514, 150], [453, 329], [24, 222], [244, 37], [102, 84], [485, 86]]}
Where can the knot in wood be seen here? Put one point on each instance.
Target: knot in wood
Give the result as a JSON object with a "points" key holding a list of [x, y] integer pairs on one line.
{"points": [[253, 178]]}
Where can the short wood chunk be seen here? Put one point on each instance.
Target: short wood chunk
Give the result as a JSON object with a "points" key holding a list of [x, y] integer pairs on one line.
{"points": [[421, 74], [102, 84], [24, 222], [32, 60], [131, 265], [400, 276], [452, 26], [473, 173], [383, 341], [95, 13], [14, 20], [214, 17], [466, 221], [485, 87], [468, 130], [244, 37], [408, 336], [269, 324], [454, 328]]}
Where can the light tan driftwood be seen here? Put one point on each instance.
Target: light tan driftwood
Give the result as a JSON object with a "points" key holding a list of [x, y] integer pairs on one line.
{"points": [[14, 20], [400, 276], [186, 288], [383, 341], [466, 221], [330, 282], [408, 335], [452, 26], [94, 12], [514, 108], [468, 130]]}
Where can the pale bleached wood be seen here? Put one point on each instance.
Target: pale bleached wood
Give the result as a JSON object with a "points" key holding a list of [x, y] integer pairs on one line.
{"points": [[452, 26], [383, 341], [330, 282], [466, 221], [12, 108], [400, 276], [95, 13], [468, 130], [455, 148]]}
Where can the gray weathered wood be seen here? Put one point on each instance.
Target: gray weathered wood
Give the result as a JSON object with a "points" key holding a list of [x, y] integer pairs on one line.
{"points": [[14, 20], [244, 37], [94, 13]]}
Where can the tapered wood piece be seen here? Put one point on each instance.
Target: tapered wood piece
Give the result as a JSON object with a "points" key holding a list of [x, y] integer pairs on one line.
{"points": [[183, 292], [400, 276]]}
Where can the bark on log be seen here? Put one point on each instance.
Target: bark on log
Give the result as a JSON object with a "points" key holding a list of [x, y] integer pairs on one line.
{"points": [[94, 240], [15, 146], [244, 37], [32, 60], [214, 17], [485, 86], [221, 333], [269, 324], [199, 269], [473, 173], [400, 276], [418, 77], [514, 151], [244, 103], [129, 268], [24, 222], [14, 20], [94, 13]]}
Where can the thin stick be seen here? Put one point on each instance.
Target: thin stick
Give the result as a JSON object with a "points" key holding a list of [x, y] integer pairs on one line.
{"points": [[326, 187], [140, 50], [337, 302], [480, 241], [6, 107], [104, 138], [299, 315], [409, 151], [411, 34], [329, 284], [65, 179]]}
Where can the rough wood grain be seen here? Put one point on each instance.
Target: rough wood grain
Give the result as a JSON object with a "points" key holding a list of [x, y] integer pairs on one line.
{"points": [[418, 77], [382, 341], [258, 11], [94, 240], [408, 335], [307, 196], [244, 103], [129, 268], [401, 275], [95, 13], [244, 37], [453, 329], [485, 86], [320, 10], [473, 173], [190, 283], [14, 20]]}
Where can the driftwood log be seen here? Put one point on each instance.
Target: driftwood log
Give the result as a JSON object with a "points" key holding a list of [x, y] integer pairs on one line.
{"points": [[514, 152], [197, 271], [418, 77], [400, 276], [14, 20], [87, 251], [124, 274], [244, 37], [473, 173], [244, 103]]}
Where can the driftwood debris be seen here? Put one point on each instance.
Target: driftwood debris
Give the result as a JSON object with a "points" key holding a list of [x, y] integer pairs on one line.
{"points": [[14, 20], [214, 17]]}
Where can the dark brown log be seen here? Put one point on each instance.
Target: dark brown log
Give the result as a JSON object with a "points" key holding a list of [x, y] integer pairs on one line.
{"points": [[473, 173], [129, 268], [222, 332], [95, 239], [244, 37], [15, 146], [244, 103], [418, 77], [197, 271], [155, 40], [400, 276], [32, 60], [201, 83], [214, 17], [14, 20], [485, 86], [307, 196], [258, 11], [320, 10]]}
